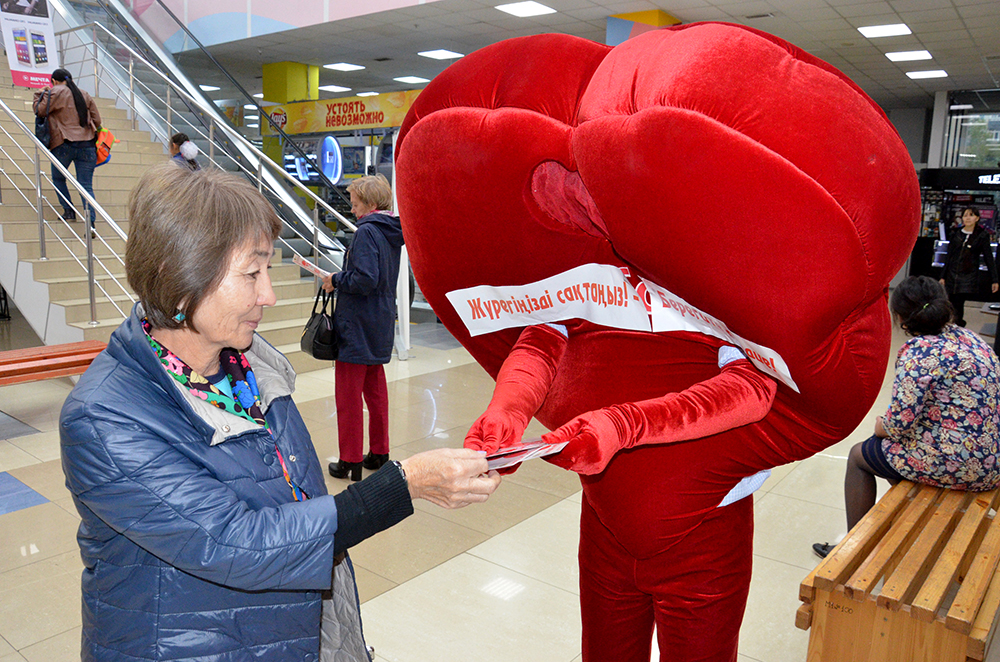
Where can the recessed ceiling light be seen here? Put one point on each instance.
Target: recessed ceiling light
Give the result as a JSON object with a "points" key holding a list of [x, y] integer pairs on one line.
{"points": [[252, 126], [210, 88], [367, 94], [525, 9], [251, 118], [895, 30], [440, 54], [934, 73], [249, 106], [259, 95], [909, 56], [961, 106], [412, 80], [343, 66], [334, 88], [968, 156]]}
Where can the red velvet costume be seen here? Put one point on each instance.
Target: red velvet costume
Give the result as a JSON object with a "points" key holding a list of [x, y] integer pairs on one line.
{"points": [[746, 176]]}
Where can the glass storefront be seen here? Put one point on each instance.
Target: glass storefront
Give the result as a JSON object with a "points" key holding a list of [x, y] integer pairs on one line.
{"points": [[972, 134]]}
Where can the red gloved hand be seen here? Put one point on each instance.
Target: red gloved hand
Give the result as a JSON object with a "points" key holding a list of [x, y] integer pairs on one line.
{"points": [[739, 395], [522, 385]]}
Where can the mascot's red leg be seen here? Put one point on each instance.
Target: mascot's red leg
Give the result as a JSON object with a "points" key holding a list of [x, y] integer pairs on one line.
{"points": [[696, 591], [617, 616]]}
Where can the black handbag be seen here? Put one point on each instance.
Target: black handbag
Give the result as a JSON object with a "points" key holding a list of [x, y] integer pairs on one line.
{"points": [[319, 338], [42, 131]]}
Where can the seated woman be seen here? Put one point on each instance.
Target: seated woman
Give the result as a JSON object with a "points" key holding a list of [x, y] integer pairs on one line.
{"points": [[207, 532], [942, 424]]}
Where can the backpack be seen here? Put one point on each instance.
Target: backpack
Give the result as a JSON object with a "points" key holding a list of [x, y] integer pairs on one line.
{"points": [[104, 141]]}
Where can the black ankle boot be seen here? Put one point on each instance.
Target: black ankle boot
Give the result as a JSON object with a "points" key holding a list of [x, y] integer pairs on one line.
{"points": [[374, 461], [340, 469]]}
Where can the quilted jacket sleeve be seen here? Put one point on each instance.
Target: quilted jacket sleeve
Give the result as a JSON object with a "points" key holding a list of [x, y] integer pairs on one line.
{"points": [[144, 488]]}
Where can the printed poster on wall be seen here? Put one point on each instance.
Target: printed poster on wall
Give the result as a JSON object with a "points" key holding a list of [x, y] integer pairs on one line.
{"points": [[30, 41]]}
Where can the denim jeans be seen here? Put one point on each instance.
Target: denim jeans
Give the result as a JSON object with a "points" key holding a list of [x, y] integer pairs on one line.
{"points": [[84, 154]]}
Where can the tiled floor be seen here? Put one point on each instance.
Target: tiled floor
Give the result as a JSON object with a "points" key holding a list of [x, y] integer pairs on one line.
{"points": [[496, 582]]}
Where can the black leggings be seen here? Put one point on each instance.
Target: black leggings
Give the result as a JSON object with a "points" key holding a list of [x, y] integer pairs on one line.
{"points": [[958, 303]]}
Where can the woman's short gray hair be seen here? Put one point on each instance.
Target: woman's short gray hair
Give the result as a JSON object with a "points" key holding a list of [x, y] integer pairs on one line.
{"points": [[184, 228]]}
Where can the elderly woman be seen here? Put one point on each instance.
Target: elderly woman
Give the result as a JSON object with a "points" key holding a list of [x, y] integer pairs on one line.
{"points": [[207, 532], [366, 321], [942, 426]]}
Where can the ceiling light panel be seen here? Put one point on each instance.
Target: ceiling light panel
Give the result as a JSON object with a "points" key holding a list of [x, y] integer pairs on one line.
{"points": [[909, 56], [367, 94], [411, 80], [210, 88], [343, 66], [936, 73], [875, 31], [334, 88], [526, 9], [440, 54]]}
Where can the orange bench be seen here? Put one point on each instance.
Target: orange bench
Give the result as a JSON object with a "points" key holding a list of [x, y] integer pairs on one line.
{"points": [[914, 580], [37, 363]]}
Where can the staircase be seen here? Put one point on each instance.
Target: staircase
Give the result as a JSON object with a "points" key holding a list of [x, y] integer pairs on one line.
{"points": [[53, 293]]}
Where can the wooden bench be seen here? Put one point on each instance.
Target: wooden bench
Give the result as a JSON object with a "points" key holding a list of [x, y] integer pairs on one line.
{"points": [[36, 363], [914, 580]]}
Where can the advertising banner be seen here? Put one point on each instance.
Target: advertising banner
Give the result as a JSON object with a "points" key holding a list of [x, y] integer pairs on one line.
{"points": [[344, 114], [30, 41]]}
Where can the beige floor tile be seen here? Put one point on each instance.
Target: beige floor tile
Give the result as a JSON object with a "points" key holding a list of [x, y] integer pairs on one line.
{"points": [[509, 505], [32, 534], [543, 547], [68, 505], [371, 585], [67, 563], [12, 457], [309, 388], [470, 609], [46, 478], [817, 480], [781, 524], [322, 410], [43, 446], [40, 610], [414, 546], [744, 658], [5, 648], [540, 475], [13, 657], [769, 631], [63, 647]]}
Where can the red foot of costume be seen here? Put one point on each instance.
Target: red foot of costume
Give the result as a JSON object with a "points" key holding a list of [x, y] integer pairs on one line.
{"points": [[751, 195]]}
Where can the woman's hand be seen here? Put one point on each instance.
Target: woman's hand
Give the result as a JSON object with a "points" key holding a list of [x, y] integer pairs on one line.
{"points": [[328, 283], [450, 477], [941, 280], [996, 286]]}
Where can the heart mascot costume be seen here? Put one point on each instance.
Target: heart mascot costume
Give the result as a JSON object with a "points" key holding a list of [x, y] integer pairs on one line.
{"points": [[599, 226]]}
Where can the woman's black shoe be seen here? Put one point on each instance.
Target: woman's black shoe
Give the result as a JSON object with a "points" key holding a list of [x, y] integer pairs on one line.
{"points": [[823, 549], [373, 461], [340, 469]]}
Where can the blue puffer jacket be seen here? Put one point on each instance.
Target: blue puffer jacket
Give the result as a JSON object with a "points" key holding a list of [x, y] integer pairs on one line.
{"points": [[366, 291], [191, 542]]}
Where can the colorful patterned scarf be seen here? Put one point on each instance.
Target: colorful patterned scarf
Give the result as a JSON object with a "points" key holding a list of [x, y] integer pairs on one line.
{"points": [[246, 396]]}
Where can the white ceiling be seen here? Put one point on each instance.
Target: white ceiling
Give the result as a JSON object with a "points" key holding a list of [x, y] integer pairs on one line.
{"points": [[963, 36]]}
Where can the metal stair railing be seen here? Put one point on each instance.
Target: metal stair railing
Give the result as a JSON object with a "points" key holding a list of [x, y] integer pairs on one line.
{"points": [[97, 62], [34, 181]]}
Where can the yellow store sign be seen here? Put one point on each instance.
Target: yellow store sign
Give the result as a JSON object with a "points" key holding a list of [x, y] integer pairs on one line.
{"points": [[344, 114]]}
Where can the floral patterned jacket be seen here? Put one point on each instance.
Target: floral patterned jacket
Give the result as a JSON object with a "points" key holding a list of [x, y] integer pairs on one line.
{"points": [[943, 421]]}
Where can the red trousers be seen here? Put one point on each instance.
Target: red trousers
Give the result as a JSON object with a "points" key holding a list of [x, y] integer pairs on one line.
{"points": [[695, 592], [352, 381]]}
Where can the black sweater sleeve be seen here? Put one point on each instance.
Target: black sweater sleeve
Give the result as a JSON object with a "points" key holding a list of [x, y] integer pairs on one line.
{"points": [[373, 505]]}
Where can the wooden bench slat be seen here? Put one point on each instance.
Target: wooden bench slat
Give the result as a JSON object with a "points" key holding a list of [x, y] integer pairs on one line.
{"points": [[40, 365], [846, 556], [891, 548], [39, 376], [984, 627], [50, 351], [908, 577], [950, 560], [965, 606]]}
